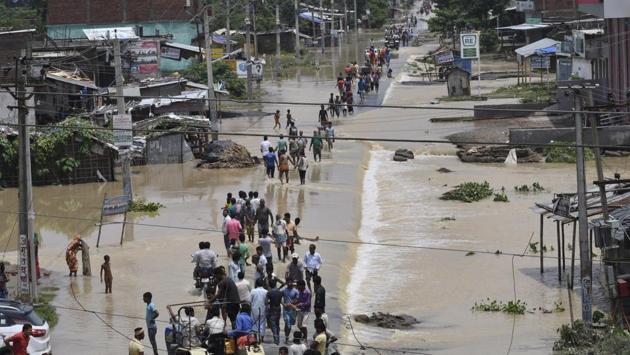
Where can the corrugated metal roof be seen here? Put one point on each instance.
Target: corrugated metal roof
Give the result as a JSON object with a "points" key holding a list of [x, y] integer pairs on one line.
{"points": [[525, 27], [531, 48]]}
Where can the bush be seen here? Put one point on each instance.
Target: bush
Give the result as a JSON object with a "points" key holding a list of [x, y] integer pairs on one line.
{"points": [[563, 152], [141, 205], [469, 192]]}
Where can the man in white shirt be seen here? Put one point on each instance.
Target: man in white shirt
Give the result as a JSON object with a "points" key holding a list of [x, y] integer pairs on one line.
{"points": [[313, 262], [215, 326], [261, 266], [243, 287], [259, 308], [224, 229], [264, 145]]}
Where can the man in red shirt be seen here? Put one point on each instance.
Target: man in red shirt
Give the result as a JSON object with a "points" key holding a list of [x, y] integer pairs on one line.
{"points": [[20, 340]]}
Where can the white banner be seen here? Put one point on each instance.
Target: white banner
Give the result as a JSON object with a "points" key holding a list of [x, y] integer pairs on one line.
{"points": [[123, 136]]}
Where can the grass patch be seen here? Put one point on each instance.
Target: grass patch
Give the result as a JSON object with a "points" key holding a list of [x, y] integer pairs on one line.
{"points": [[45, 309], [463, 98], [141, 205], [49, 313], [564, 152], [469, 192], [529, 93]]}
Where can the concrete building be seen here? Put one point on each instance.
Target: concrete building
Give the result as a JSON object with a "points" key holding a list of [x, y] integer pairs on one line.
{"points": [[67, 19], [615, 44]]}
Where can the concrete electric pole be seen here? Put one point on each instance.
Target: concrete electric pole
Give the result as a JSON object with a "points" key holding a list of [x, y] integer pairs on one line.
{"points": [[278, 42], [297, 28], [214, 124], [585, 250], [248, 55], [322, 25], [27, 272], [120, 104]]}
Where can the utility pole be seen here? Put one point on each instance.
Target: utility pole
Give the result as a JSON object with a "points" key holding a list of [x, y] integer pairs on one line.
{"points": [[332, 21], [322, 25], [356, 22], [214, 124], [255, 31], [297, 28], [120, 104], [278, 41], [345, 12], [248, 62], [598, 158], [227, 27], [585, 251], [27, 272]]}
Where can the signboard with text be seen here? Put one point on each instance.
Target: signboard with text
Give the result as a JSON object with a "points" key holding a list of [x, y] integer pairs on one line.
{"points": [[23, 265], [170, 53], [115, 205], [469, 44], [143, 58], [444, 58], [123, 135]]}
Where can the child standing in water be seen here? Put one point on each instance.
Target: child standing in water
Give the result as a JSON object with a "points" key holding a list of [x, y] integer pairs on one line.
{"points": [[106, 268]]}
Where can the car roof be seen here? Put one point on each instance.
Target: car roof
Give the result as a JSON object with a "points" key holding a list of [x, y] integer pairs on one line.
{"points": [[9, 306]]}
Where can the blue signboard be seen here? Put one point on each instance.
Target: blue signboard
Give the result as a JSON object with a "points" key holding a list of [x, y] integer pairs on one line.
{"points": [[115, 205]]}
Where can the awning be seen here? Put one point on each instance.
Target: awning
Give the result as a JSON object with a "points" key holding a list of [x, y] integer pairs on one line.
{"points": [[525, 27], [531, 48]]}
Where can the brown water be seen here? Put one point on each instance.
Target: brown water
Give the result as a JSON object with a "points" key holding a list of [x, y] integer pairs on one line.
{"points": [[401, 206]]}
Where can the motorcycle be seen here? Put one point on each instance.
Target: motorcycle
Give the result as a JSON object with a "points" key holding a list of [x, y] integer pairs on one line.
{"points": [[204, 278]]}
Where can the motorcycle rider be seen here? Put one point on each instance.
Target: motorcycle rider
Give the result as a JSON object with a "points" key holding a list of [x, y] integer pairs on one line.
{"points": [[205, 260]]}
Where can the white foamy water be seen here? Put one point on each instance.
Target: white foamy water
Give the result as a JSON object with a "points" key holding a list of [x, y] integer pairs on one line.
{"points": [[393, 213]]}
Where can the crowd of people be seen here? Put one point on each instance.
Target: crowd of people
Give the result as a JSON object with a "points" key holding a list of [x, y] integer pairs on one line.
{"points": [[249, 314]]}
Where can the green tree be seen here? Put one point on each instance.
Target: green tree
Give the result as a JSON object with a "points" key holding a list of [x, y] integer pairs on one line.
{"points": [[456, 15], [20, 18], [220, 71]]}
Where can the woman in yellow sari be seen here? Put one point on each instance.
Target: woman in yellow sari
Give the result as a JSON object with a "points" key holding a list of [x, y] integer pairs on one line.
{"points": [[71, 255]]}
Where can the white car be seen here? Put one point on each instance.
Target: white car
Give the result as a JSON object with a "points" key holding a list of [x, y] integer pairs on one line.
{"points": [[13, 315]]}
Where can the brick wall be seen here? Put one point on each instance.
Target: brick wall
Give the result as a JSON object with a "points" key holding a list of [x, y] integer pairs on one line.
{"points": [[116, 11]]}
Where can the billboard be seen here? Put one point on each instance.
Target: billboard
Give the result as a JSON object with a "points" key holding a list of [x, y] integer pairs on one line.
{"points": [[143, 58]]}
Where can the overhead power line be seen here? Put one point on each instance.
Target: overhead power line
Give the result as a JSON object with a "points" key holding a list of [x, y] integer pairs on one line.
{"points": [[360, 139], [304, 103]]}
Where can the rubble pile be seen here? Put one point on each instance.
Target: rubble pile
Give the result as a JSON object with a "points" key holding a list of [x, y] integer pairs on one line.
{"points": [[226, 154], [403, 155], [387, 320], [497, 154]]}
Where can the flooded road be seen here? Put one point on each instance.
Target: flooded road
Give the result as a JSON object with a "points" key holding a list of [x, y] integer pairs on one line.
{"points": [[356, 194]]}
